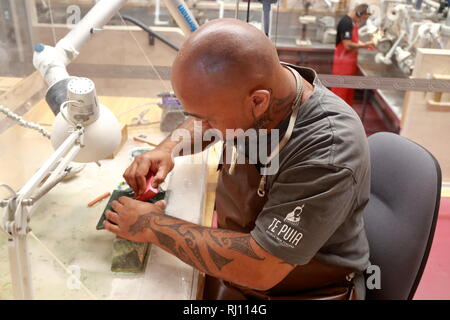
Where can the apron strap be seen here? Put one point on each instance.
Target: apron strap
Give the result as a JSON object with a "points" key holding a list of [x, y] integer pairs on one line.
{"points": [[295, 109]]}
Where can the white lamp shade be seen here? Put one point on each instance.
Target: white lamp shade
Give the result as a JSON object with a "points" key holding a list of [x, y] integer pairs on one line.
{"points": [[101, 138]]}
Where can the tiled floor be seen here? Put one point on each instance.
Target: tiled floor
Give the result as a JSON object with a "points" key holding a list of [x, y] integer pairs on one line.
{"points": [[435, 282]]}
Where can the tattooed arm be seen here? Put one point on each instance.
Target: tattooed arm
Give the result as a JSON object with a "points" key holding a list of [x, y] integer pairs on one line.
{"points": [[225, 254]]}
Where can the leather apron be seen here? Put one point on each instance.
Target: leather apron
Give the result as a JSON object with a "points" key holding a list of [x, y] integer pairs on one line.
{"points": [[238, 204]]}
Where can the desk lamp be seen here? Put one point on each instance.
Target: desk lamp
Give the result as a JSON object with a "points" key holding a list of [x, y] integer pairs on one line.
{"points": [[83, 131]]}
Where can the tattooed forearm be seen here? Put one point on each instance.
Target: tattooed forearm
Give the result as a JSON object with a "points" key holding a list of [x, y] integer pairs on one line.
{"points": [[218, 260], [189, 239], [166, 241], [216, 239], [184, 256], [240, 244], [196, 252], [221, 253]]}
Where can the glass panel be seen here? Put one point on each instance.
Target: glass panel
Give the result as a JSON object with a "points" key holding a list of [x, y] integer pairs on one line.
{"points": [[131, 72]]}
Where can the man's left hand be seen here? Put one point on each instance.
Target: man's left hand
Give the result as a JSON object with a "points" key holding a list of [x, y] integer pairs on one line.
{"points": [[130, 219]]}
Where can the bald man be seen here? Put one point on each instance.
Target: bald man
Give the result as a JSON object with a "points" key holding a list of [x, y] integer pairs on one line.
{"points": [[297, 232]]}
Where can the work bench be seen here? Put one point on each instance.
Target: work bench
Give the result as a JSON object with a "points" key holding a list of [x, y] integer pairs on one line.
{"points": [[64, 238]]}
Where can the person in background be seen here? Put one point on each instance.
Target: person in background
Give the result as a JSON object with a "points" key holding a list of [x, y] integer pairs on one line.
{"points": [[347, 45]]}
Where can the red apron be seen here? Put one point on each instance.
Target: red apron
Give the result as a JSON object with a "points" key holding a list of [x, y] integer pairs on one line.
{"points": [[345, 63]]}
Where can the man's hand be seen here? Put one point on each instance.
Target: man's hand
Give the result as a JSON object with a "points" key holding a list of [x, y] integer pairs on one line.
{"points": [[157, 161], [130, 218], [221, 253]]}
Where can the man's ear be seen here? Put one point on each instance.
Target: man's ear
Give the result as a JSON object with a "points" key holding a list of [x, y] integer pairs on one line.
{"points": [[260, 101]]}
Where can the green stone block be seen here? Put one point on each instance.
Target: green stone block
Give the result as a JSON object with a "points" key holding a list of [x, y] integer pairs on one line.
{"points": [[129, 256]]}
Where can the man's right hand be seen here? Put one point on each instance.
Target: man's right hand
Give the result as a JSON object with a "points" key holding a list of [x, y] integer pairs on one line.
{"points": [[158, 161]]}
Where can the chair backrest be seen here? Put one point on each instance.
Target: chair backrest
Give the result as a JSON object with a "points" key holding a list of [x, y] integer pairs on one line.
{"points": [[401, 215]]}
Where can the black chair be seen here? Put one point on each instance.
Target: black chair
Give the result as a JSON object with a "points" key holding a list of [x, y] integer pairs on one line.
{"points": [[401, 215]]}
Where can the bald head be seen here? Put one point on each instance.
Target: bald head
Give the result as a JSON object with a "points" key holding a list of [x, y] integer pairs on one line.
{"points": [[220, 66], [226, 52]]}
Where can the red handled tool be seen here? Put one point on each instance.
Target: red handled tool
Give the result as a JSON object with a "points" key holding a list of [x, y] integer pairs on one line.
{"points": [[149, 192]]}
